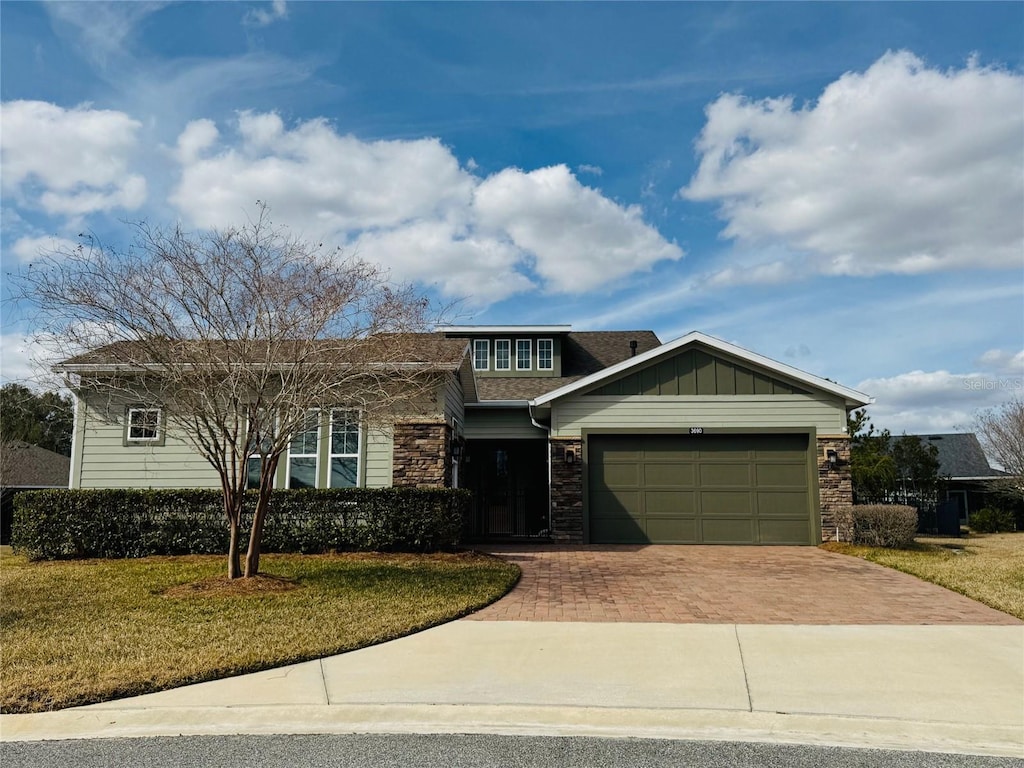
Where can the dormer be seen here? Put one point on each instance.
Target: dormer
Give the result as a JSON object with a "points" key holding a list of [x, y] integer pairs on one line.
{"points": [[513, 350]]}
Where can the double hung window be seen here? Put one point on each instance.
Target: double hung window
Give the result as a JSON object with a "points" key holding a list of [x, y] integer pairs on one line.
{"points": [[302, 453], [502, 354], [545, 355], [523, 353], [481, 353], [344, 448]]}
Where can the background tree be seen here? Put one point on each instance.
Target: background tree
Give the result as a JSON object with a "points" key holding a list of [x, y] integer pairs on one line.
{"points": [[237, 335], [886, 469], [1001, 434], [45, 419]]}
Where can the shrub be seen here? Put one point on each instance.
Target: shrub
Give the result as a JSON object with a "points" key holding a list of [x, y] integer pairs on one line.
{"points": [[879, 525], [992, 521], [114, 523]]}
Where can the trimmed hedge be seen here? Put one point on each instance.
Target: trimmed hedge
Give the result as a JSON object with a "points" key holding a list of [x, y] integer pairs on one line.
{"points": [[879, 525], [116, 523]]}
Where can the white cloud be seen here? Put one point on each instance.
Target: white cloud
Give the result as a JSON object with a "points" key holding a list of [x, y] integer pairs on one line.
{"points": [[28, 360], [261, 17], [596, 170], [936, 401], [69, 161], [103, 30], [409, 205], [316, 179], [30, 248], [580, 239], [901, 168], [1003, 361]]}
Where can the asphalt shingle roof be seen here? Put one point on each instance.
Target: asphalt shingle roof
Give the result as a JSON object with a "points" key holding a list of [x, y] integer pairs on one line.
{"points": [[24, 465], [960, 455]]}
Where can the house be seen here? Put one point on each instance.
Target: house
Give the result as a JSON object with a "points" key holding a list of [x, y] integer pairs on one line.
{"points": [[27, 467], [968, 475], [603, 437]]}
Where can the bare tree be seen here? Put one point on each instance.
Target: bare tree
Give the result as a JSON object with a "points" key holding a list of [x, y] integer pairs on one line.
{"points": [[1001, 433], [237, 335]]}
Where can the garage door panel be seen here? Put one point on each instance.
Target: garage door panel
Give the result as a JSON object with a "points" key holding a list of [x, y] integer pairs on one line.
{"points": [[619, 475], [670, 475], [784, 531], [670, 503], [618, 531], [617, 504], [726, 504], [731, 475], [785, 475], [791, 504], [672, 530], [727, 530]]}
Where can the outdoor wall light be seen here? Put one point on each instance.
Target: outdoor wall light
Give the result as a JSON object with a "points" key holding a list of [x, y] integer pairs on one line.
{"points": [[570, 455], [456, 451], [833, 458]]}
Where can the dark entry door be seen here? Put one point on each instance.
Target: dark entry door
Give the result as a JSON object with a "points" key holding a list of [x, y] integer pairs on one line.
{"points": [[509, 481]]}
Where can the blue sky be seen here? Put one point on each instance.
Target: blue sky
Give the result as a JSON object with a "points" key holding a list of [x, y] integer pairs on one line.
{"points": [[837, 186]]}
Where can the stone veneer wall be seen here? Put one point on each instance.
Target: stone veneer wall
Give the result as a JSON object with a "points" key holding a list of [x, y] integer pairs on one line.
{"points": [[566, 491], [421, 455], [835, 488]]}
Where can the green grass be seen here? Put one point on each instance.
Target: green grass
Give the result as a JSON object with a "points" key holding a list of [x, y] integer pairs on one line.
{"points": [[988, 568], [74, 633]]}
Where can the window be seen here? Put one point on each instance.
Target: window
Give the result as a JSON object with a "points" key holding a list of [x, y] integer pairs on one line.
{"points": [[143, 426], [545, 355], [502, 354], [481, 352], [263, 442], [523, 350], [344, 449], [302, 453]]}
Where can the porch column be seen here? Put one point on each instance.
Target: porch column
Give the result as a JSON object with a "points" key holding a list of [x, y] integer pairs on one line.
{"points": [[566, 490]]}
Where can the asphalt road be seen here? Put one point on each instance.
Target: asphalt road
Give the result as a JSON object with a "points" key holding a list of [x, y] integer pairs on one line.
{"points": [[457, 751]]}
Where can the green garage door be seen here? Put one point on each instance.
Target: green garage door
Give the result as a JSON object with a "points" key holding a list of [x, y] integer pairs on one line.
{"points": [[699, 489]]}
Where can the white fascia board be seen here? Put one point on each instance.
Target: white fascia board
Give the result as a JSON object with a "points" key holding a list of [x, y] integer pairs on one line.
{"points": [[499, 404], [511, 329], [851, 396]]}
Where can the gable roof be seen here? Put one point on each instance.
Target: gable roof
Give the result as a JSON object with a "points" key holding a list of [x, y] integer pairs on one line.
{"points": [[28, 466], [960, 456], [851, 397], [583, 353]]}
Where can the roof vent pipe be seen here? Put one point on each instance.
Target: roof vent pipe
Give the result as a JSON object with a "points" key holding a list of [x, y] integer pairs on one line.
{"points": [[632, 348]]}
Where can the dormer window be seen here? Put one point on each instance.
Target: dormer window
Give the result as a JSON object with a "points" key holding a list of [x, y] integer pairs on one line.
{"points": [[545, 355], [524, 348], [502, 354], [481, 354]]}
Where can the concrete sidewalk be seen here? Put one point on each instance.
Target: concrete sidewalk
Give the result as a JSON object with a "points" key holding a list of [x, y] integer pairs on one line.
{"points": [[932, 688]]}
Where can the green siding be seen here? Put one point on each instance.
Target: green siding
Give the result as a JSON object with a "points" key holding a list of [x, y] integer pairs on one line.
{"points": [[571, 416], [498, 423], [378, 454], [696, 372]]}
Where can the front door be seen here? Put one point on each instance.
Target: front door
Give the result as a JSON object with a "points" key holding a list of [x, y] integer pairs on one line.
{"points": [[509, 481]]}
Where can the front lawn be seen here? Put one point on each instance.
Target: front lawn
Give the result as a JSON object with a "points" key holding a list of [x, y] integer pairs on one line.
{"points": [[988, 567], [79, 632]]}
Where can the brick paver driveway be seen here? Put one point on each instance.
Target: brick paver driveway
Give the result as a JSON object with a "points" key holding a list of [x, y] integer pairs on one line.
{"points": [[721, 585]]}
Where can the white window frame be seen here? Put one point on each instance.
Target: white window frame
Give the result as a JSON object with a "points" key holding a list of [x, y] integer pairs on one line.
{"points": [[551, 353], [484, 344], [529, 354], [315, 455], [358, 455], [508, 352], [157, 432]]}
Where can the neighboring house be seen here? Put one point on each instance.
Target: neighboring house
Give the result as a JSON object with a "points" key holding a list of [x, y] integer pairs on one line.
{"points": [[27, 467], [970, 477], [604, 437]]}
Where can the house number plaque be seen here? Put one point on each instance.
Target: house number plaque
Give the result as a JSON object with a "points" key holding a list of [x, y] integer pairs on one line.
{"points": [[696, 430]]}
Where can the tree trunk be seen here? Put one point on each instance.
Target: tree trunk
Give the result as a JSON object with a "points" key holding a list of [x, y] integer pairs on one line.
{"points": [[252, 555], [233, 512]]}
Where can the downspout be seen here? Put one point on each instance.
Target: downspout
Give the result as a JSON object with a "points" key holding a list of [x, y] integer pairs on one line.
{"points": [[529, 412]]}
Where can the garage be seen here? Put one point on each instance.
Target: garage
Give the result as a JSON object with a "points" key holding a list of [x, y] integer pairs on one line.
{"points": [[700, 489]]}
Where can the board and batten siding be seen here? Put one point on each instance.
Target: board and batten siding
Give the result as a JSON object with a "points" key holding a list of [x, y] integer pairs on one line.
{"points": [[499, 424], [452, 403], [570, 417]]}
